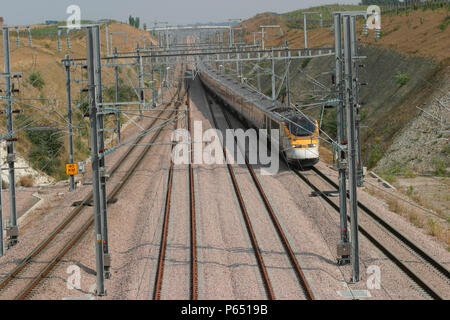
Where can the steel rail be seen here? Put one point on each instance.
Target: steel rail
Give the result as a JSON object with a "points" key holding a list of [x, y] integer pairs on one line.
{"points": [[291, 254], [165, 232], [254, 241], [65, 223], [44, 244], [410, 273], [397, 234], [194, 275], [72, 242]]}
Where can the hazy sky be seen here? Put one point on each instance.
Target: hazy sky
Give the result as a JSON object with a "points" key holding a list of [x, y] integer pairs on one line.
{"points": [[23, 12]]}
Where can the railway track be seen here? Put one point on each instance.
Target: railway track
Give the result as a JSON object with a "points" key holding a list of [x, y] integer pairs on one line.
{"points": [[378, 243], [413, 275], [74, 216], [194, 269], [280, 233], [192, 230], [439, 268], [165, 232]]}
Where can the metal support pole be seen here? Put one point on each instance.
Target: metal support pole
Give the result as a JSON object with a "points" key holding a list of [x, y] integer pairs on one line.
{"points": [[274, 94], [18, 37], [141, 83], [238, 65], [12, 228], [110, 39], [69, 119], [322, 113], [59, 40], [258, 73], [288, 80], [117, 107], [232, 36], [360, 173], [69, 46], [30, 37], [101, 147], [304, 29], [153, 82], [351, 148], [95, 163], [108, 51], [167, 36], [161, 84], [343, 245], [263, 40]]}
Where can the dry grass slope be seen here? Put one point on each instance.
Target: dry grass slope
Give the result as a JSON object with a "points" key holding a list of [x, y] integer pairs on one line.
{"points": [[43, 86]]}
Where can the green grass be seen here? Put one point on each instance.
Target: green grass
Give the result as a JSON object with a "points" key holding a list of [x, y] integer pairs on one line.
{"points": [[389, 177], [52, 30], [36, 80], [440, 166], [398, 168], [327, 10], [445, 23]]}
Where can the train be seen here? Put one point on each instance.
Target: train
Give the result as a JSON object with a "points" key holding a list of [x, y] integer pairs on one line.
{"points": [[299, 134]]}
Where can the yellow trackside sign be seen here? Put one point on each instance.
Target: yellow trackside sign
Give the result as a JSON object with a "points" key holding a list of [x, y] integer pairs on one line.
{"points": [[72, 169]]}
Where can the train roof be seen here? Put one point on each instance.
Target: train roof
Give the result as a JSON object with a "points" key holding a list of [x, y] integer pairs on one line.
{"points": [[246, 92]]}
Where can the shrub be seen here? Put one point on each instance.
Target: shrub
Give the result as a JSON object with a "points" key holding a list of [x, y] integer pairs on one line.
{"points": [[126, 93], [402, 78], [45, 150], [5, 185], [329, 124], [84, 108], [375, 156], [36, 80], [410, 191], [26, 181], [306, 62]]}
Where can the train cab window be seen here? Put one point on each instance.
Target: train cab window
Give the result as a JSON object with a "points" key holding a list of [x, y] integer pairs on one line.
{"points": [[304, 127]]}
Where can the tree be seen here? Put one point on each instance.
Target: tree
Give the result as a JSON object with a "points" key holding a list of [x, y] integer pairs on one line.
{"points": [[131, 21], [137, 22], [145, 26]]}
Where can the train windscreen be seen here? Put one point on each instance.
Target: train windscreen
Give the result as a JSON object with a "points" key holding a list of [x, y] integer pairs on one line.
{"points": [[304, 127]]}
